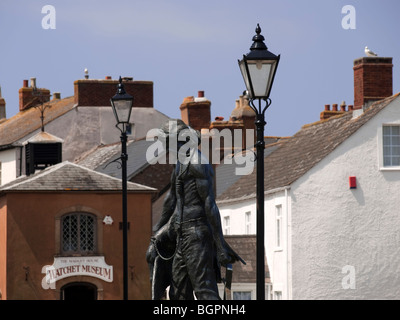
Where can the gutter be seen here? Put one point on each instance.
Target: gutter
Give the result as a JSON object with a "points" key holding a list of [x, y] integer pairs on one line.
{"points": [[253, 195]]}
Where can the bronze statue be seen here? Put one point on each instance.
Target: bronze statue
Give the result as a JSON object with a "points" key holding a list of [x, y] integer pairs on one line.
{"points": [[188, 247]]}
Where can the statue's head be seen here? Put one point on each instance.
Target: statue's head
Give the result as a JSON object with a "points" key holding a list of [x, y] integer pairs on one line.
{"points": [[175, 134]]}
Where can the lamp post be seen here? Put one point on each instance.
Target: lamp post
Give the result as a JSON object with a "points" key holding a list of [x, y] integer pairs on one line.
{"points": [[258, 69], [122, 106]]}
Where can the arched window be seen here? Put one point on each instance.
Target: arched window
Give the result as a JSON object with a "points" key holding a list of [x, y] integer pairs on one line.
{"points": [[78, 234]]}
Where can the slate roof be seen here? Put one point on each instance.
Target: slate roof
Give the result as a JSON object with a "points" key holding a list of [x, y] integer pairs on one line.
{"points": [[303, 151], [138, 168], [100, 158], [67, 176]]}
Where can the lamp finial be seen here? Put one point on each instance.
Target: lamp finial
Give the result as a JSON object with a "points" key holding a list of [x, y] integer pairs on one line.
{"points": [[258, 39]]}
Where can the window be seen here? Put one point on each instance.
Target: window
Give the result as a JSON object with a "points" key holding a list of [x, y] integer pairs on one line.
{"points": [[277, 295], [129, 129], [227, 225], [391, 146], [278, 226], [248, 222], [242, 295], [78, 234]]}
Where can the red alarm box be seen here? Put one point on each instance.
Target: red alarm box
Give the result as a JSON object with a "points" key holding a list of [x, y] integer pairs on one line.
{"points": [[352, 182]]}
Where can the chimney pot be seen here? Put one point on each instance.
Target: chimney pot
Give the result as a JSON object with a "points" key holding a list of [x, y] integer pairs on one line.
{"points": [[327, 107], [350, 107], [33, 83], [200, 94], [197, 115], [334, 107], [108, 78], [56, 96], [29, 96], [343, 107]]}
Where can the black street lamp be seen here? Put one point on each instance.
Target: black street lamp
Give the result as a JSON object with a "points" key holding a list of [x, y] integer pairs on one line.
{"points": [[122, 106], [258, 69]]}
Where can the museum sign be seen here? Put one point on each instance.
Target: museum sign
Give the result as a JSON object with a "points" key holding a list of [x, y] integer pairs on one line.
{"points": [[64, 267]]}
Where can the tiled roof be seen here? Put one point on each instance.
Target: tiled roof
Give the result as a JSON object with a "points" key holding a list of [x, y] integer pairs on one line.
{"points": [[67, 176], [27, 121], [225, 172], [245, 247], [303, 151]]}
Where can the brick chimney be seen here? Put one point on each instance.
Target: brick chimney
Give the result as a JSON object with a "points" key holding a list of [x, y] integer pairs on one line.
{"points": [[31, 96], [373, 80], [196, 112], [92, 92], [328, 113], [2, 107]]}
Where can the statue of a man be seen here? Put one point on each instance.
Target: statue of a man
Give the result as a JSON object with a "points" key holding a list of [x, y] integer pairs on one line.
{"points": [[188, 247]]}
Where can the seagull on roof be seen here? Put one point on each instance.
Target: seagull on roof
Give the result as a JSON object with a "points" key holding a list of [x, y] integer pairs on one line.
{"points": [[370, 53]]}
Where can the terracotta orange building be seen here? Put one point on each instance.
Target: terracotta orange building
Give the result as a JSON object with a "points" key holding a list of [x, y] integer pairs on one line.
{"points": [[60, 236]]}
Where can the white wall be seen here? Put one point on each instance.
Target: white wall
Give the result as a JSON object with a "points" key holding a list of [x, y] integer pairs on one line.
{"points": [[337, 230], [237, 216], [278, 258], [8, 159], [278, 255]]}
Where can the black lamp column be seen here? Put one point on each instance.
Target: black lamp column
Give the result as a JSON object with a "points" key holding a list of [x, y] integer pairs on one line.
{"points": [[260, 144], [122, 107], [124, 159], [258, 69]]}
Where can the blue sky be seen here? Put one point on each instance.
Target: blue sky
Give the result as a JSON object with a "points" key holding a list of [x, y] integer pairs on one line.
{"points": [[187, 46]]}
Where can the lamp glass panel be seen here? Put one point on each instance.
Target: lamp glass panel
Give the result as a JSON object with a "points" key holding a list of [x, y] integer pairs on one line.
{"points": [[242, 66], [260, 74], [122, 110]]}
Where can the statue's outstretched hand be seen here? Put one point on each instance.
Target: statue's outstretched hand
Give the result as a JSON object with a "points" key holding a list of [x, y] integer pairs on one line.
{"points": [[227, 255]]}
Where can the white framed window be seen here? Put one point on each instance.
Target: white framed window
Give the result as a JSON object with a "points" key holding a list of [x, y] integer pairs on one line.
{"points": [[268, 291], [129, 129], [248, 222], [277, 295], [227, 225], [241, 295], [278, 226], [391, 145]]}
